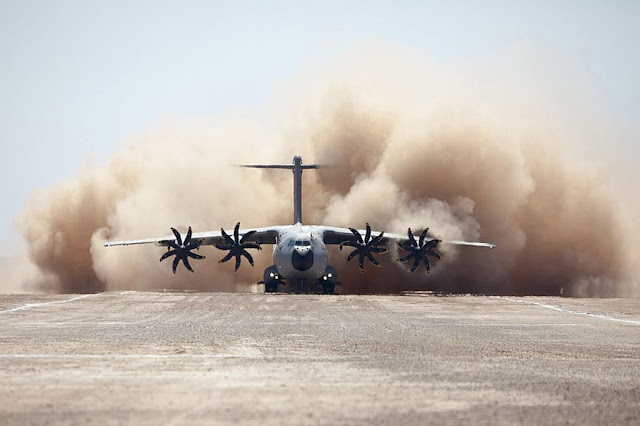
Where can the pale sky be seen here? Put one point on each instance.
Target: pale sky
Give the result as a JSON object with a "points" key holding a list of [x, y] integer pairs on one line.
{"points": [[79, 77]]}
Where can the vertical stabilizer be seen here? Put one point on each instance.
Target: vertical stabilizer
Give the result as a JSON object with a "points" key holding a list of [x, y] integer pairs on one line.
{"points": [[297, 189], [296, 167]]}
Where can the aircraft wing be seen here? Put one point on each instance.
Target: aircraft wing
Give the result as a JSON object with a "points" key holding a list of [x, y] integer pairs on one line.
{"points": [[261, 236], [334, 235]]}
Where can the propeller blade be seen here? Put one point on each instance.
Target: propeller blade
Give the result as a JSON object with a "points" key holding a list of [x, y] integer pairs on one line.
{"points": [[424, 234], [432, 243], [247, 235], [433, 253], [426, 263], [177, 234], [237, 246], [405, 245], [365, 248], [227, 257], [372, 259], [167, 254], [248, 256], [405, 258], [412, 239], [235, 232], [186, 263], [194, 246], [181, 249], [357, 234], [226, 236], [352, 254], [175, 263], [377, 239], [416, 263], [195, 256], [187, 239]]}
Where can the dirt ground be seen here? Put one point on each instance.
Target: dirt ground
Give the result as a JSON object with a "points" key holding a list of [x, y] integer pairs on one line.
{"points": [[190, 358]]}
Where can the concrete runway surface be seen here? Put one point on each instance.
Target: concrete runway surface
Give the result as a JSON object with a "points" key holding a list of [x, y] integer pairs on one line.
{"points": [[189, 358]]}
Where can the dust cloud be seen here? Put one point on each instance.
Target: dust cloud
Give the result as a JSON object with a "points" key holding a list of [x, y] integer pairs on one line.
{"points": [[410, 144]]}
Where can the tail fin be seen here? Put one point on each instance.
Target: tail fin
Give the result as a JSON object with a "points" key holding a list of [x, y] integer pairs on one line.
{"points": [[297, 168]]}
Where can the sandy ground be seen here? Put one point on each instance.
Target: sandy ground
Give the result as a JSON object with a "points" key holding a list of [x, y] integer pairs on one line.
{"points": [[185, 358]]}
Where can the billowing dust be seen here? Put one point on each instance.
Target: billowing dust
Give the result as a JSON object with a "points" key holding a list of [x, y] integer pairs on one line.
{"points": [[408, 146]]}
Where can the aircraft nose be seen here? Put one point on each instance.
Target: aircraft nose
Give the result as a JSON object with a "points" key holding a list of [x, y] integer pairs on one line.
{"points": [[302, 259]]}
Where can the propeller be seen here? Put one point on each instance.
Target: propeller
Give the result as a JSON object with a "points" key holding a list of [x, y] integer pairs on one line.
{"points": [[364, 248], [182, 250], [237, 246], [418, 250]]}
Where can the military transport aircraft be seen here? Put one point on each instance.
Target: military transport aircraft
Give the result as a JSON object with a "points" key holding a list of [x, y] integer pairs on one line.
{"points": [[300, 252]]}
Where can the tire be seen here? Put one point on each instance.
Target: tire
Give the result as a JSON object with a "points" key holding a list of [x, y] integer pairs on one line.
{"points": [[271, 286], [328, 288]]}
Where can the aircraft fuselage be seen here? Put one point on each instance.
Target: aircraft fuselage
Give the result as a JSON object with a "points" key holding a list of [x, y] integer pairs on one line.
{"points": [[300, 253]]}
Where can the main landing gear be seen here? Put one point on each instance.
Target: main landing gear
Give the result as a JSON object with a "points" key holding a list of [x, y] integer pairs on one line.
{"points": [[271, 279], [329, 280], [273, 282]]}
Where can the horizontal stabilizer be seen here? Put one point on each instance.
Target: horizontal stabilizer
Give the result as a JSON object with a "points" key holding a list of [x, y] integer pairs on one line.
{"points": [[280, 166]]}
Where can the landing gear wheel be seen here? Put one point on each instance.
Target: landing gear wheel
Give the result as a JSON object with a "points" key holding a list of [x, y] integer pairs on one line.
{"points": [[329, 280], [271, 279], [328, 288], [301, 287], [271, 286]]}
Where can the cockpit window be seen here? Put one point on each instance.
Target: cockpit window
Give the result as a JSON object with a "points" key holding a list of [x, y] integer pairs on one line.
{"points": [[302, 243]]}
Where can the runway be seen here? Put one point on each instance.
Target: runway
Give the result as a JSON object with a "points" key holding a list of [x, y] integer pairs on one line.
{"points": [[196, 358]]}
